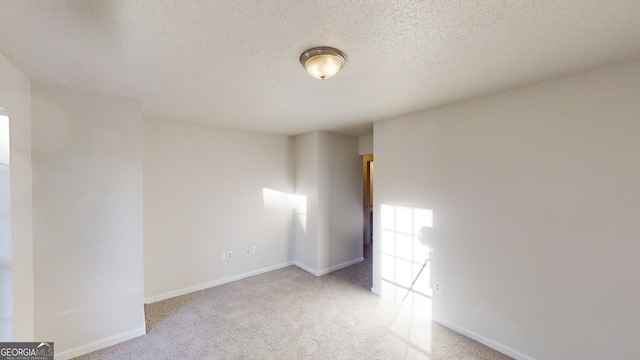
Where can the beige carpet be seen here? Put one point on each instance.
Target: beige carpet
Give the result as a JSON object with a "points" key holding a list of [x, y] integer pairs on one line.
{"points": [[291, 314]]}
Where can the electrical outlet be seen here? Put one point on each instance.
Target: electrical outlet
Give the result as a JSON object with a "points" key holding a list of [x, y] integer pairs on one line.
{"points": [[248, 251], [229, 255], [223, 256], [253, 249], [436, 287]]}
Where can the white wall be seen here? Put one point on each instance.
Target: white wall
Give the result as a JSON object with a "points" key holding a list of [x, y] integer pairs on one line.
{"points": [[329, 177], [535, 199], [6, 281], [209, 190], [87, 219], [15, 98], [339, 201], [306, 190], [365, 145]]}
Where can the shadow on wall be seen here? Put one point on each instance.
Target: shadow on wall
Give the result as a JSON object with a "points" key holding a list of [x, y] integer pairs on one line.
{"points": [[405, 256]]}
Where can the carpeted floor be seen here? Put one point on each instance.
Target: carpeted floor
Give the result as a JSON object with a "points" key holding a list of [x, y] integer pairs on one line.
{"points": [[291, 314]]}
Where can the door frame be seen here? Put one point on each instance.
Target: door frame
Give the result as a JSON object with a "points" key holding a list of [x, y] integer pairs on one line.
{"points": [[367, 198]]}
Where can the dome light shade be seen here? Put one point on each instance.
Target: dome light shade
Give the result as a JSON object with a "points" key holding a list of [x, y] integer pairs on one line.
{"points": [[323, 62]]}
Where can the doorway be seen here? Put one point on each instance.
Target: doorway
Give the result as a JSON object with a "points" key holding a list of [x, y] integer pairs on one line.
{"points": [[367, 206]]}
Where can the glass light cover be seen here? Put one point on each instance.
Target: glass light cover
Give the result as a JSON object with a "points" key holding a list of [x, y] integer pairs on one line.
{"points": [[323, 66]]}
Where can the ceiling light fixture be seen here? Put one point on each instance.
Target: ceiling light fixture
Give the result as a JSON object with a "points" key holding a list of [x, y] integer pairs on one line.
{"points": [[323, 62]]}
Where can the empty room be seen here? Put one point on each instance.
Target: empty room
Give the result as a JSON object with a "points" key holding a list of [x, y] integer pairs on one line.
{"points": [[320, 179]]}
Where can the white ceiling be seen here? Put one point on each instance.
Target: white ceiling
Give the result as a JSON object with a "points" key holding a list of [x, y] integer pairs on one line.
{"points": [[235, 63]]}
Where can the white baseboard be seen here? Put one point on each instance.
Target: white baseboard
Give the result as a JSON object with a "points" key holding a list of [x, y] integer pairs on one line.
{"points": [[483, 340], [340, 266], [305, 268], [171, 294], [100, 344], [330, 269]]}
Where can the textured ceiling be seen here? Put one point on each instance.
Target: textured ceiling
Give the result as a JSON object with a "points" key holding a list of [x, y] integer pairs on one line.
{"points": [[235, 63]]}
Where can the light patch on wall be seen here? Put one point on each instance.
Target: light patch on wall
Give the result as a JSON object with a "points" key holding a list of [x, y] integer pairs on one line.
{"points": [[405, 256], [6, 275], [301, 211], [4, 139], [275, 199]]}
